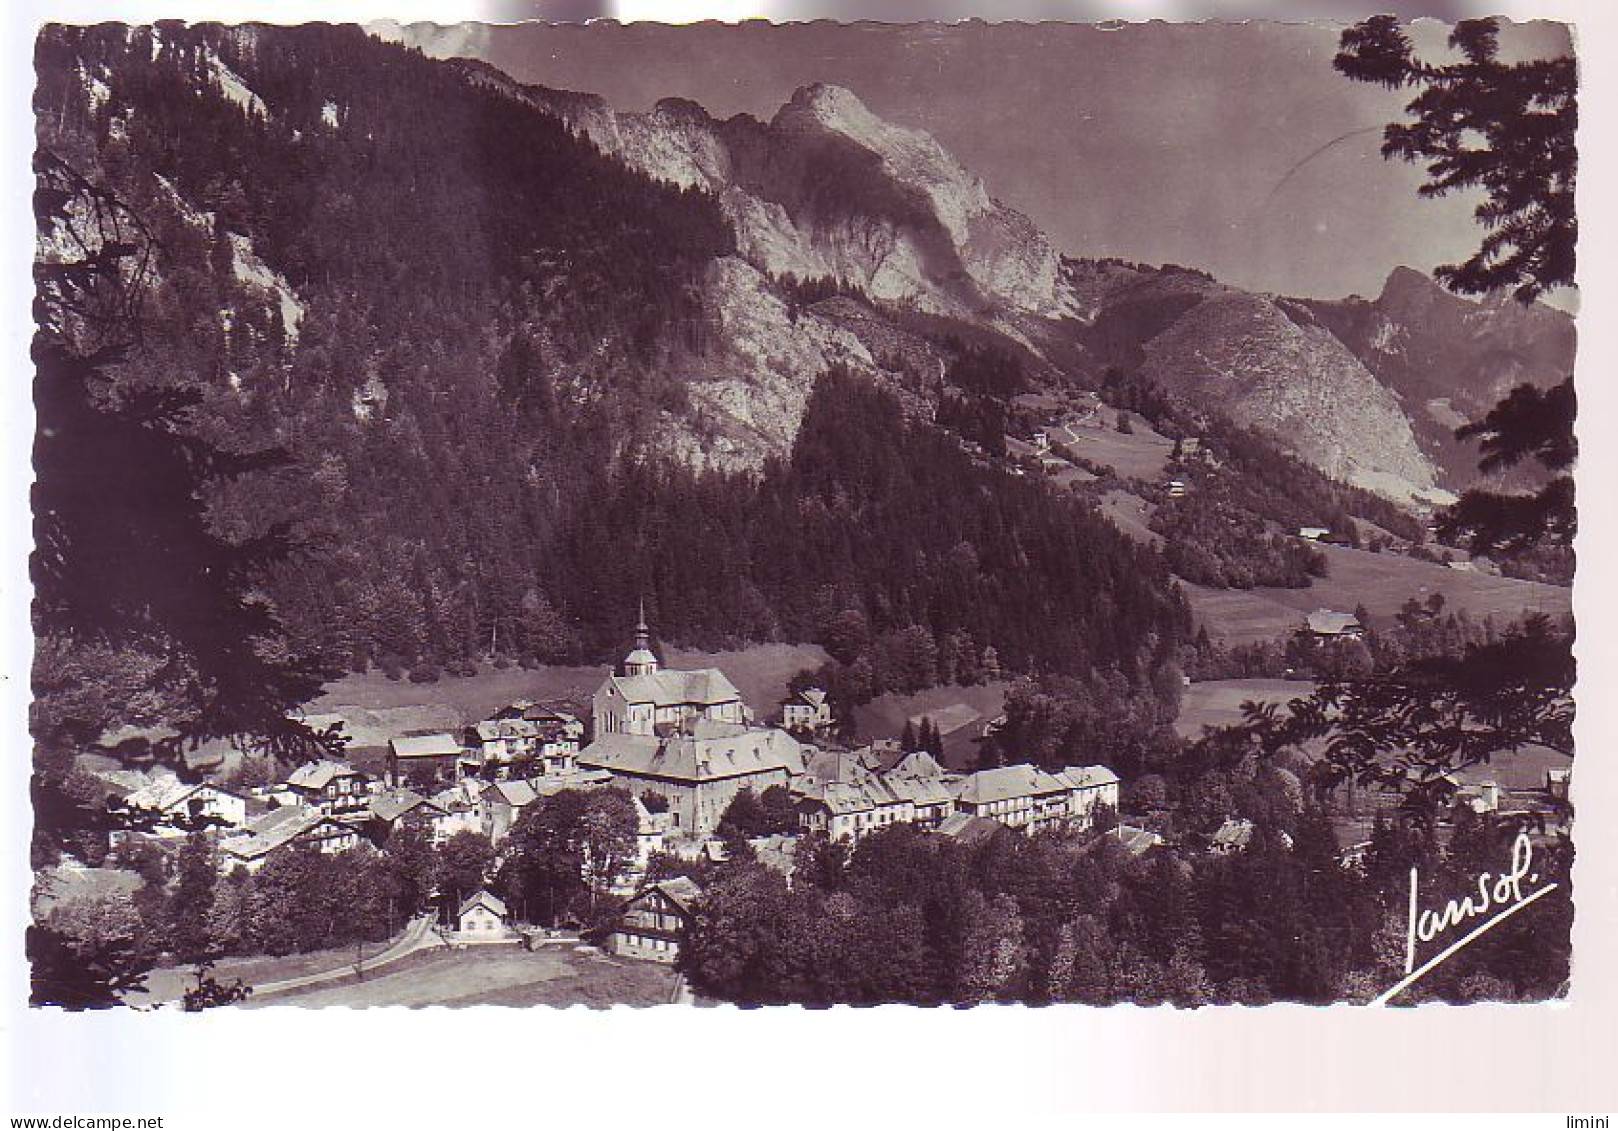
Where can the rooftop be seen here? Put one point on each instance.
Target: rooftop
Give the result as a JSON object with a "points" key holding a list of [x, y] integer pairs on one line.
{"points": [[1007, 782], [708, 753], [318, 775], [704, 687], [424, 746]]}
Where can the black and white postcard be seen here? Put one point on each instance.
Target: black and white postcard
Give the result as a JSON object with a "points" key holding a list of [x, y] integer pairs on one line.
{"points": [[878, 514]]}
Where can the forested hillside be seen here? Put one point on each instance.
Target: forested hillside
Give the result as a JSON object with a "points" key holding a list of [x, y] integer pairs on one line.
{"points": [[460, 321]]}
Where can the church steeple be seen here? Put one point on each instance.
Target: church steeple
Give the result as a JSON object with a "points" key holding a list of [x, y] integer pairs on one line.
{"points": [[641, 661]]}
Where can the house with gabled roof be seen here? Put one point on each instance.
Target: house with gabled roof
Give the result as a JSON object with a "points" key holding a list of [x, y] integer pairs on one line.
{"points": [[391, 808], [809, 709], [164, 806], [334, 788], [1334, 625], [654, 920], [1236, 834], [483, 917], [282, 828], [425, 759]]}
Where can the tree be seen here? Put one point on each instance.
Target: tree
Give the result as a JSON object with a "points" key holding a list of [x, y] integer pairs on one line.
{"points": [[412, 864], [210, 993], [125, 553], [191, 903], [609, 828], [1508, 129], [463, 866], [87, 955]]}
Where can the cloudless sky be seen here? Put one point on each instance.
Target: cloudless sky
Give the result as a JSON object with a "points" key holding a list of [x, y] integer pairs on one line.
{"points": [[1153, 142]]}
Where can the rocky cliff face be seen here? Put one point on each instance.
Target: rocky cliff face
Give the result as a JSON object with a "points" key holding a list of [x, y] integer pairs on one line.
{"points": [[1450, 358], [828, 189], [747, 400], [1263, 366]]}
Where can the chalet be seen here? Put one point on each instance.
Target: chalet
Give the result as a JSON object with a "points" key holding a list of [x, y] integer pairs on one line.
{"points": [[654, 920], [1231, 837], [282, 828], [391, 808], [1041, 440], [698, 770], [1312, 533], [335, 789], [168, 807], [646, 699], [1235, 835], [523, 747], [425, 759], [1176, 489], [807, 710], [538, 713], [1331, 625], [483, 918]]}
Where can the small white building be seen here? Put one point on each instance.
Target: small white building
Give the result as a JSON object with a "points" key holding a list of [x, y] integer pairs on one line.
{"points": [[807, 710], [483, 917]]}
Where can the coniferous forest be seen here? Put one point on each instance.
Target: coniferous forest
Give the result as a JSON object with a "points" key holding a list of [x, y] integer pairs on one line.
{"points": [[469, 378]]}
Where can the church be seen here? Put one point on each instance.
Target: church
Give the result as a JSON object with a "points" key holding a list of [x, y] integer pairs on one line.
{"points": [[645, 699]]}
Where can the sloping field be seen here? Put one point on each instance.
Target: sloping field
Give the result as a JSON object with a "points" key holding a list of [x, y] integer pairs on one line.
{"points": [[1130, 514], [1380, 582], [1218, 702], [965, 709], [1141, 454], [760, 673]]}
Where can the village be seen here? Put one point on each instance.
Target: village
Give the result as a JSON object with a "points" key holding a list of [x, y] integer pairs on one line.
{"points": [[682, 744]]}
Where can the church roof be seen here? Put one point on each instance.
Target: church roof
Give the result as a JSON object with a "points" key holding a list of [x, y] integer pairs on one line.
{"points": [[704, 687]]}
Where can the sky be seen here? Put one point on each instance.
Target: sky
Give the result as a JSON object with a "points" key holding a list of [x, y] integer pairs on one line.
{"points": [[1158, 143]]}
